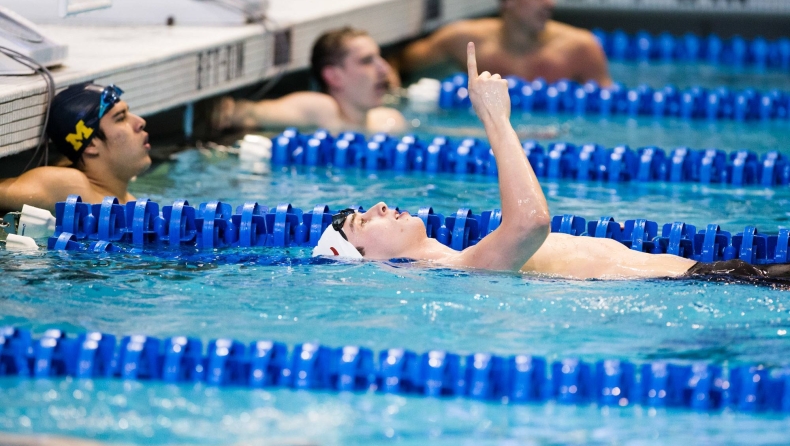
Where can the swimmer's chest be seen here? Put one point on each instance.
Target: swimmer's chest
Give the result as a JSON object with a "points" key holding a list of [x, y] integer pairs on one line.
{"points": [[576, 257], [546, 63]]}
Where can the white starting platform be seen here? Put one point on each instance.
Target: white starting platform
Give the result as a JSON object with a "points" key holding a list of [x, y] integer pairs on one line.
{"points": [[162, 67]]}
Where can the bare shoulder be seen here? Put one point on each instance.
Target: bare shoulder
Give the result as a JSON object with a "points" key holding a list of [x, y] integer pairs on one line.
{"points": [[313, 108], [43, 187], [570, 36], [66, 177], [385, 119], [470, 29]]}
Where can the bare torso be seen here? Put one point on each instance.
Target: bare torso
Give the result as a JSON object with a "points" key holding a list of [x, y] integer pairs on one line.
{"points": [[571, 257], [561, 52]]}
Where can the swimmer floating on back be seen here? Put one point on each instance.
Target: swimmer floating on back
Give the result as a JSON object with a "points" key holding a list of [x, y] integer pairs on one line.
{"points": [[105, 142], [523, 241]]}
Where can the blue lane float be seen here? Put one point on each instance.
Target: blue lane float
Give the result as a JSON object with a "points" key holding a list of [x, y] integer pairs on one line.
{"points": [[481, 376], [566, 96], [559, 160], [141, 225], [757, 53]]}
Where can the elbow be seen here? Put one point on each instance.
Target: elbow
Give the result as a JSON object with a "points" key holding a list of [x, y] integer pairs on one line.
{"points": [[532, 228], [541, 227]]}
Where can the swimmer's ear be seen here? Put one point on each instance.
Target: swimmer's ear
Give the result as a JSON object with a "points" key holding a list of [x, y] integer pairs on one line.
{"points": [[92, 149], [332, 75]]}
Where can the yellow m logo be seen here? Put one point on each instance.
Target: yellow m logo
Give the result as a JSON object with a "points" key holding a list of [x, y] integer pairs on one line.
{"points": [[80, 134]]}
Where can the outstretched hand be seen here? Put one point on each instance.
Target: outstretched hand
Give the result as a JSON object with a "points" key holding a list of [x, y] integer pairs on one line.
{"points": [[487, 92]]}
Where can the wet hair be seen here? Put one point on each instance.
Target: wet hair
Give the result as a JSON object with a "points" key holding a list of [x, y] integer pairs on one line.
{"points": [[330, 50]]}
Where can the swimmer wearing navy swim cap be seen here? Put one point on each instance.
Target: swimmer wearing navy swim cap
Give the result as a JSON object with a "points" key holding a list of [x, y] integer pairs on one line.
{"points": [[104, 142]]}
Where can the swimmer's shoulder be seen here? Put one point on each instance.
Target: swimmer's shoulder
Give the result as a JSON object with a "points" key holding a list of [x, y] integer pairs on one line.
{"points": [[43, 187], [57, 176], [385, 119], [570, 36], [463, 30], [315, 108]]}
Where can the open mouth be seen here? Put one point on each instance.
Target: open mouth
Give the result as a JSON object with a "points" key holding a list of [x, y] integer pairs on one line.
{"points": [[146, 144], [399, 214]]}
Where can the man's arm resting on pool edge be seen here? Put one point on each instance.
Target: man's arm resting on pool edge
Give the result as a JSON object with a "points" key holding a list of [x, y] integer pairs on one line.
{"points": [[525, 214], [42, 187], [304, 108]]}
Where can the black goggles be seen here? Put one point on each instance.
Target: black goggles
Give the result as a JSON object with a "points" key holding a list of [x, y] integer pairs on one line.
{"points": [[109, 97], [339, 219]]}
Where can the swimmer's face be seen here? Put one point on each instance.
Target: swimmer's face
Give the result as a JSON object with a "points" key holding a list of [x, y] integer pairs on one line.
{"points": [[125, 148], [384, 233], [532, 14], [362, 77]]}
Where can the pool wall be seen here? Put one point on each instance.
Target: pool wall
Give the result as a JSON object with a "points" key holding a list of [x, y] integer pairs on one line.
{"points": [[170, 66]]}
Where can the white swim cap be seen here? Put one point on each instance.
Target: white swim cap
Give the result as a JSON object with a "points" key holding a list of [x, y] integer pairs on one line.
{"points": [[333, 244]]}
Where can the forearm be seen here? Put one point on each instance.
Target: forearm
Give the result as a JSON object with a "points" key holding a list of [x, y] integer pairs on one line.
{"points": [[520, 192], [249, 114], [525, 215]]}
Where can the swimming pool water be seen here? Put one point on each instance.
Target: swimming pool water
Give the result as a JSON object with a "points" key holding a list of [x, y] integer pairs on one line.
{"points": [[658, 74], [279, 294], [667, 133], [685, 75]]}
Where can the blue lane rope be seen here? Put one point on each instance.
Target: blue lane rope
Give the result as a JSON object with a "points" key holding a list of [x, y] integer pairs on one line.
{"points": [[141, 225], [567, 96], [560, 160], [737, 52], [481, 376]]}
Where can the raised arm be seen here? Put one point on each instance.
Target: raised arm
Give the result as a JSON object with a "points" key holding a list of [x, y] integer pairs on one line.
{"points": [[525, 214]]}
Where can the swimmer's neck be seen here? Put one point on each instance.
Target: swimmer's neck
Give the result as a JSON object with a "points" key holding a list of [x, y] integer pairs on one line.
{"points": [[104, 183], [517, 38], [351, 114], [431, 250]]}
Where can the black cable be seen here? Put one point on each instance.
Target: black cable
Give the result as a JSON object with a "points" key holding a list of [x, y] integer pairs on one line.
{"points": [[47, 75], [267, 87]]}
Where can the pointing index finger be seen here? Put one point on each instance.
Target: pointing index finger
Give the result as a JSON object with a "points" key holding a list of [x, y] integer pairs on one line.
{"points": [[471, 61]]}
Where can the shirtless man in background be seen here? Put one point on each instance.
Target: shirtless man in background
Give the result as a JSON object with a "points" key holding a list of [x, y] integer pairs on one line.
{"points": [[353, 77], [523, 42]]}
